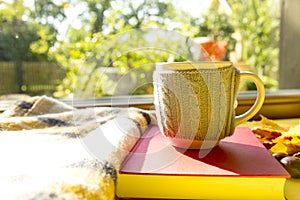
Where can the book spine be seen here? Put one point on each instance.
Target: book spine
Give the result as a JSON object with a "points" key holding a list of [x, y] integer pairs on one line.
{"points": [[189, 187]]}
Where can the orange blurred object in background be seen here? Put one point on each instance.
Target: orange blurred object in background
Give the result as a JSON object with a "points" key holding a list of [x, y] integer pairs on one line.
{"points": [[213, 50]]}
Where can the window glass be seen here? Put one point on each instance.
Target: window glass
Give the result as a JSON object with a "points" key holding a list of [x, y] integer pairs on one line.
{"points": [[97, 48]]}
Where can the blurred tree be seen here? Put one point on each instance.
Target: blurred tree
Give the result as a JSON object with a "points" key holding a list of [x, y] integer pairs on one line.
{"points": [[217, 25], [257, 21], [112, 38], [16, 33], [50, 15], [97, 10], [49, 12], [44, 32]]}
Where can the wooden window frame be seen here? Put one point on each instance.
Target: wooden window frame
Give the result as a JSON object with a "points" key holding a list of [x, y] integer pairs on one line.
{"points": [[280, 104]]}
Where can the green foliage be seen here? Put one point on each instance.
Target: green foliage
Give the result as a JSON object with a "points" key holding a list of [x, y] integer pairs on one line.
{"points": [[217, 25], [49, 12], [258, 24], [105, 59], [119, 64], [100, 50], [16, 35]]}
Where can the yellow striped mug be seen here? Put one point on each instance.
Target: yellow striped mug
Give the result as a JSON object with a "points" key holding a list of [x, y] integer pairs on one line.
{"points": [[195, 101]]}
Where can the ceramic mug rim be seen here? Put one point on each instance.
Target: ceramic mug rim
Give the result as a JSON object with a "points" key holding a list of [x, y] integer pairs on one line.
{"points": [[192, 65]]}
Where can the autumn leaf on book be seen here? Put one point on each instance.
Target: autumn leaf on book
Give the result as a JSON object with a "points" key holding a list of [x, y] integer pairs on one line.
{"points": [[288, 142], [277, 137], [267, 129], [271, 125], [282, 141]]}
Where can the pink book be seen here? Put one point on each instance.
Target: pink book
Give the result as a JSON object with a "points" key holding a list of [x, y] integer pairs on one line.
{"points": [[239, 161]]}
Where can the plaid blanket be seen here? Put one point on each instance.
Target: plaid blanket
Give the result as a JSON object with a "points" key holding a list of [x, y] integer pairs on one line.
{"points": [[50, 150]]}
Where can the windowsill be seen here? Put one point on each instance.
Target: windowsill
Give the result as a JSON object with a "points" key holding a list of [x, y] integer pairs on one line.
{"points": [[278, 104]]}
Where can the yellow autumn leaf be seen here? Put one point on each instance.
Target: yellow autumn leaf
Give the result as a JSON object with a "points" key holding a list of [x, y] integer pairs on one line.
{"points": [[290, 140], [295, 130], [285, 139], [271, 124], [279, 147]]}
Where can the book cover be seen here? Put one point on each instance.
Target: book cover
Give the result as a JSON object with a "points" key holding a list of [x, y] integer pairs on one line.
{"points": [[240, 167]]}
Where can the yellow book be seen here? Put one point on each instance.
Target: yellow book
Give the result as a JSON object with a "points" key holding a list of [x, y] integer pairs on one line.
{"points": [[240, 167]]}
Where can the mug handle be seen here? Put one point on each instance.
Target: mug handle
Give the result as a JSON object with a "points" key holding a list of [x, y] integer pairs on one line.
{"points": [[259, 99]]}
